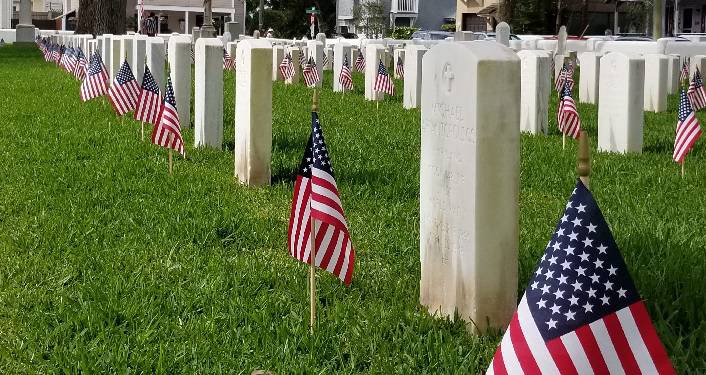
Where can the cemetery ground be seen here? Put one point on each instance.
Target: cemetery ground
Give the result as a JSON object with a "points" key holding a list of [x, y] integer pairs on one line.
{"points": [[109, 264]]}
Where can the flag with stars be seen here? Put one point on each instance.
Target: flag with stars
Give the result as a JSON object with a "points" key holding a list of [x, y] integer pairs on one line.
{"points": [[568, 119], [581, 313], [566, 74], [688, 129], [360, 62], [124, 91], [345, 78], [399, 68], [286, 67], [316, 201], [326, 59], [167, 132], [684, 74], [94, 85], [228, 61], [150, 101], [302, 59], [696, 91], [80, 70], [310, 73], [383, 82]]}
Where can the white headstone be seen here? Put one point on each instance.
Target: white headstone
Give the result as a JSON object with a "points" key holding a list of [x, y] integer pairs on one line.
{"points": [[180, 74], [588, 80], [469, 188], [321, 37], [697, 62], [208, 103], [656, 81], [231, 48], [106, 48], [340, 51], [329, 58], [253, 112], [502, 34], [413, 75], [673, 73], [398, 55], [373, 54], [294, 52], [139, 56], [620, 113], [155, 60], [226, 38], [561, 41], [126, 51], [116, 58], [277, 56], [316, 51], [92, 47], [535, 85]]}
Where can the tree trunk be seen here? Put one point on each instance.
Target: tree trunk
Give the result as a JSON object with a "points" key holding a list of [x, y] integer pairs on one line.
{"points": [[558, 16], [101, 17], [506, 10]]}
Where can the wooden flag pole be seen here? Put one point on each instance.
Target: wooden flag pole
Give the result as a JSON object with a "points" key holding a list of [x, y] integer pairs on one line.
{"points": [[312, 248], [583, 162], [682, 167], [142, 130], [563, 141]]}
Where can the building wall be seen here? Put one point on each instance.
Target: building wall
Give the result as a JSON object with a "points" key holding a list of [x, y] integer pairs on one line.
{"points": [[432, 13], [471, 7]]}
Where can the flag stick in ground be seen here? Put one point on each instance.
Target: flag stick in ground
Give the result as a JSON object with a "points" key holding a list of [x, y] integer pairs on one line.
{"points": [[682, 168], [583, 162], [312, 247], [142, 130], [563, 141], [170, 157]]}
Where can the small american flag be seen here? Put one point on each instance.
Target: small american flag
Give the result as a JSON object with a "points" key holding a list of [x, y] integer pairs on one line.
{"points": [[55, 54], [310, 73], [302, 59], [399, 68], [124, 91], [688, 129], [228, 61], [696, 92], [568, 119], [95, 83], [383, 83], [80, 70], [149, 102], [581, 313], [70, 60], [167, 132], [360, 62], [286, 67], [565, 74], [316, 197], [345, 77], [326, 59], [684, 75]]}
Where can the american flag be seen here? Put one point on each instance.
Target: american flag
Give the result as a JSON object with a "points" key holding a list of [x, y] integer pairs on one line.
{"points": [[286, 67], [326, 59], [399, 68], [80, 70], [124, 91], [70, 60], [193, 55], [55, 54], [568, 119], [581, 313], [95, 83], [696, 92], [302, 59], [310, 73], [316, 196], [688, 129], [565, 74], [167, 132], [684, 75], [383, 83], [228, 61], [345, 78], [360, 62], [149, 102]]}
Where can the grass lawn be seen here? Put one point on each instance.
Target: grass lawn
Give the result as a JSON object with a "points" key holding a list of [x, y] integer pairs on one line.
{"points": [[108, 264]]}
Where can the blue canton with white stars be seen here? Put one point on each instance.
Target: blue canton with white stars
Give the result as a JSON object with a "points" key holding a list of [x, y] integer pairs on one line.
{"points": [[169, 93], [316, 154], [381, 69], [567, 89], [684, 106], [698, 82], [125, 74], [148, 82], [582, 276], [96, 65]]}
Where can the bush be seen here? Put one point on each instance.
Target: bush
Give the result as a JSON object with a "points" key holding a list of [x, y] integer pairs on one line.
{"points": [[403, 32], [450, 27]]}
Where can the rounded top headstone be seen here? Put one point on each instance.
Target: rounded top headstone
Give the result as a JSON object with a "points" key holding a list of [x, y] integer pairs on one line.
{"points": [[256, 34], [502, 34]]}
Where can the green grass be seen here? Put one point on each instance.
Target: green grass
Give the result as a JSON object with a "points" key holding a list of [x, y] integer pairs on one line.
{"points": [[108, 264]]}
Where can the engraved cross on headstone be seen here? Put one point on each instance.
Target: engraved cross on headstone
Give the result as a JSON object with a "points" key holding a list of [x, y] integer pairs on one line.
{"points": [[448, 76]]}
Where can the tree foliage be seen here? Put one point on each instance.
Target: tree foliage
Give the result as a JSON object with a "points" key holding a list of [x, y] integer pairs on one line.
{"points": [[101, 17], [288, 18]]}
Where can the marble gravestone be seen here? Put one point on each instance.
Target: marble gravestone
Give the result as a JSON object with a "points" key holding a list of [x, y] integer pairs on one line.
{"points": [[155, 60], [656, 81], [253, 112], [328, 51], [469, 182], [397, 56], [106, 48], [589, 78], [294, 53], [180, 74], [341, 50], [139, 55], [127, 44], [208, 103], [620, 107], [535, 85], [374, 53], [502, 34], [116, 58], [673, 74], [277, 56], [316, 52], [412, 89], [697, 62]]}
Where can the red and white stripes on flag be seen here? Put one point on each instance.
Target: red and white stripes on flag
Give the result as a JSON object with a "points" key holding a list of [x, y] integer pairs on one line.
{"points": [[623, 342], [167, 132], [228, 61], [94, 85], [399, 68], [311, 73], [124, 91], [383, 82], [150, 101], [568, 119], [360, 62], [316, 197], [696, 92], [345, 77], [286, 67], [688, 129]]}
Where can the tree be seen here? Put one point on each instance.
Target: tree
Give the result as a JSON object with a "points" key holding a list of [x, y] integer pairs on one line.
{"points": [[101, 17], [370, 16]]}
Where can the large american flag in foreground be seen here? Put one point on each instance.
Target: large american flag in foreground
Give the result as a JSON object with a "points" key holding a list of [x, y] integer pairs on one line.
{"points": [[688, 129], [345, 78], [581, 313], [149, 102], [286, 67], [167, 132], [316, 196], [696, 92], [383, 82], [94, 85], [124, 91], [568, 119]]}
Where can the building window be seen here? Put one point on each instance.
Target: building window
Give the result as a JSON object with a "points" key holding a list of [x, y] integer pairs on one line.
{"points": [[471, 22]]}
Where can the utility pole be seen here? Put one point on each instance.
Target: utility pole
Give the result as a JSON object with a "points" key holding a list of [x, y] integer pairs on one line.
{"points": [[207, 29], [261, 11]]}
